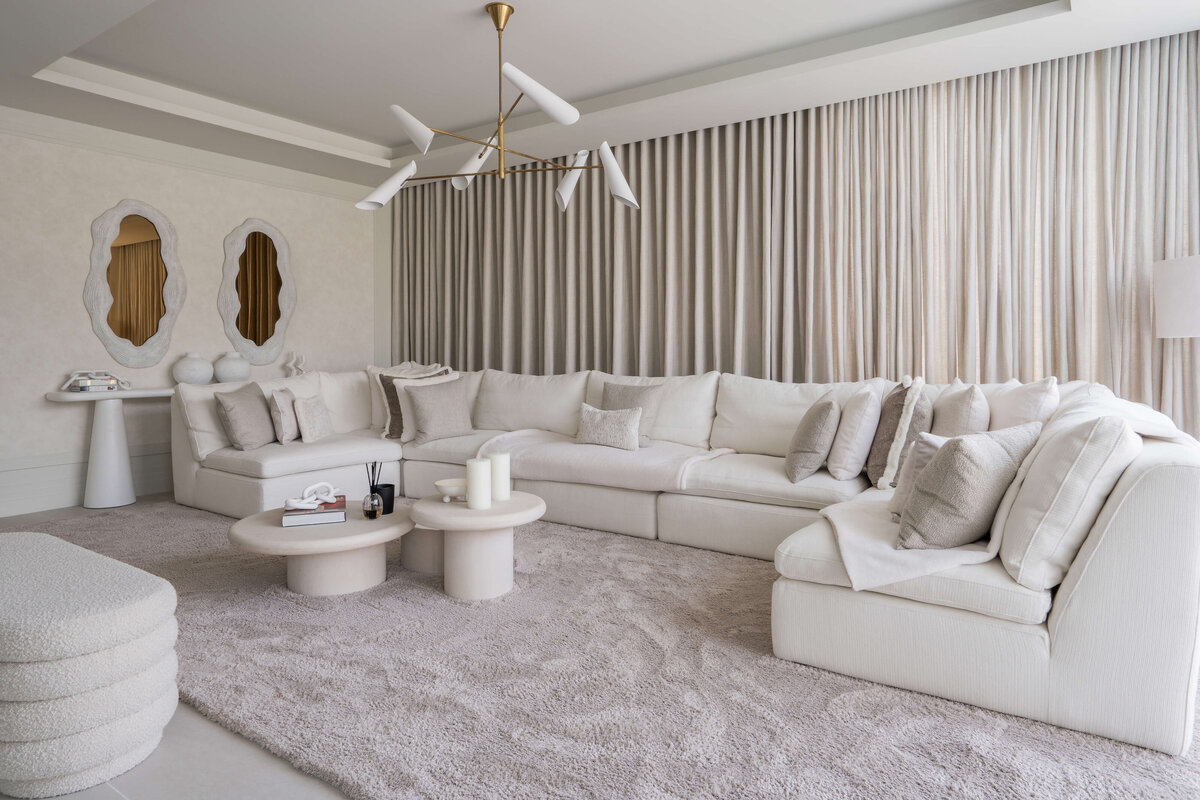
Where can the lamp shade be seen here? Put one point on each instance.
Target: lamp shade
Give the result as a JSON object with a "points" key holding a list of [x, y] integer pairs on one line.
{"points": [[566, 187], [387, 190], [618, 187], [1177, 298], [474, 164], [559, 110], [415, 129]]}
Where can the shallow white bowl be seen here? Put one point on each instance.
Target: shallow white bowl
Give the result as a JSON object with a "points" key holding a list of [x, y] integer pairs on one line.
{"points": [[451, 488]]}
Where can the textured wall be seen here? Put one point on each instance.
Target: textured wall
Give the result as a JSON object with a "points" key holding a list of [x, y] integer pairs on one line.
{"points": [[49, 195]]}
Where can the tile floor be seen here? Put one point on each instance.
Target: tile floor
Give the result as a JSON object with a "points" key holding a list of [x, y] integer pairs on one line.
{"points": [[198, 759]]}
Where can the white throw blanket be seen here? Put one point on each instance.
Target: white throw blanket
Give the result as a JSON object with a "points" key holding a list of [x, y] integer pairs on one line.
{"points": [[411, 370], [867, 538], [538, 455]]}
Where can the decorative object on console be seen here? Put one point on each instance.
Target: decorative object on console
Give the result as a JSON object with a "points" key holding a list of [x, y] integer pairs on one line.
{"points": [[283, 415], [440, 410], [619, 396], [192, 368], [904, 413], [956, 496], [142, 342], [386, 491], [813, 439], [617, 429], [479, 484], [231, 368], [372, 506], [554, 106], [313, 418], [257, 294], [961, 409], [246, 417], [94, 381], [501, 476], [294, 365]]}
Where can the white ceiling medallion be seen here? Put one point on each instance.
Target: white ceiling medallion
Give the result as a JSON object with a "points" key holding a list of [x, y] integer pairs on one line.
{"points": [[555, 107]]}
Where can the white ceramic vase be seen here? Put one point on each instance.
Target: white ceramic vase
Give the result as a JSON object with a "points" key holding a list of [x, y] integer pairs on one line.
{"points": [[232, 367], [192, 369]]}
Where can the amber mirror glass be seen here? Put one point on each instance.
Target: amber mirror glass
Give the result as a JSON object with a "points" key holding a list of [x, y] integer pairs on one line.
{"points": [[136, 276], [258, 287]]}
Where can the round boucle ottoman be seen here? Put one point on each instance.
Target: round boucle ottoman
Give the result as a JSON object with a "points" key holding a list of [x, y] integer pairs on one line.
{"points": [[87, 665]]}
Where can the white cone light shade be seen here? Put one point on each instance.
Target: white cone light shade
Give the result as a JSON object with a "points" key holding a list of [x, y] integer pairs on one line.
{"points": [[618, 187], [474, 164], [415, 129], [387, 190], [566, 187], [1177, 298], [559, 110]]}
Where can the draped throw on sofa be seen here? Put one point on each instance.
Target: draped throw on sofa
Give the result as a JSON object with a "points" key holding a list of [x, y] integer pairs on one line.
{"points": [[997, 226]]}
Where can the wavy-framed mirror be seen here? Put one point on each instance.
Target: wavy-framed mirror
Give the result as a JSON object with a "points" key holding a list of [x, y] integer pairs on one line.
{"points": [[257, 294], [136, 287]]}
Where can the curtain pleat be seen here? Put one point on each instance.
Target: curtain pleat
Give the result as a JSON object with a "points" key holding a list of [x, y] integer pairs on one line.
{"points": [[993, 227], [136, 275], [258, 286]]}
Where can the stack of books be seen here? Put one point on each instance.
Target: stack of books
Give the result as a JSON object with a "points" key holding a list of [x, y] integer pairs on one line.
{"points": [[321, 515], [93, 385]]}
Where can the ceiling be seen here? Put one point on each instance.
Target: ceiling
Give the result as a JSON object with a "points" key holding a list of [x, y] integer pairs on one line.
{"points": [[308, 85]]}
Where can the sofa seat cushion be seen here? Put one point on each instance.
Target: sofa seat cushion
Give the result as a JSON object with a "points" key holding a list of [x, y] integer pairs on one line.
{"points": [[811, 554], [454, 450], [275, 460], [761, 479]]}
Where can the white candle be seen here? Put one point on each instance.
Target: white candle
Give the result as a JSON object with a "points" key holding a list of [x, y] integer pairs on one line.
{"points": [[501, 484], [479, 484]]}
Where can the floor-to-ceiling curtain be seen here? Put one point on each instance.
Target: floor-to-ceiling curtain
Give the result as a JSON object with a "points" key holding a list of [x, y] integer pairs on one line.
{"points": [[997, 226], [136, 274]]}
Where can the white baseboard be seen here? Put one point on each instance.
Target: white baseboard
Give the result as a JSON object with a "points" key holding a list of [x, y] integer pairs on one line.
{"points": [[43, 483]]}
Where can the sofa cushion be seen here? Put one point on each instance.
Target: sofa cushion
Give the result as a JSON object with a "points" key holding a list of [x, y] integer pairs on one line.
{"points": [[907, 411], [812, 439], [960, 409], [246, 417], [440, 410], [617, 428], [199, 408], [347, 395], [621, 396], [1015, 403], [401, 420], [754, 415], [453, 450], [275, 460], [760, 479], [283, 415], [856, 431], [811, 554], [685, 414], [511, 402]]}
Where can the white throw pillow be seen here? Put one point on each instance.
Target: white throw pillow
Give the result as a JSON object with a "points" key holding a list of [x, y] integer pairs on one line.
{"points": [[687, 409], [961, 409], [347, 395], [920, 453], [283, 415], [617, 428], [313, 418], [1015, 403], [511, 402], [856, 431], [1071, 475]]}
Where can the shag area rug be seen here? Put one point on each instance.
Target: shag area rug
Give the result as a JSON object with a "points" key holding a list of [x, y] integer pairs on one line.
{"points": [[617, 668]]}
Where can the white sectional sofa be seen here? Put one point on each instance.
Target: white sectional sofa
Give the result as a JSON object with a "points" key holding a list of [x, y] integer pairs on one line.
{"points": [[1112, 650]]}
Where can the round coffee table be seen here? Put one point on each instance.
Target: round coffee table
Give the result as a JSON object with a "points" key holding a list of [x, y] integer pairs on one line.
{"points": [[334, 558], [477, 545]]}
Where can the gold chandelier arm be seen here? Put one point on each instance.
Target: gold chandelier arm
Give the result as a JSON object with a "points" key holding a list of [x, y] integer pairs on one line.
{"points": [[503, 149], [555, 168]]}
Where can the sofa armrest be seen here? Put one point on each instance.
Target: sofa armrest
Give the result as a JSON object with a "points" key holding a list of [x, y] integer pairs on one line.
{"points": [[1124, 624], [183, 463]]}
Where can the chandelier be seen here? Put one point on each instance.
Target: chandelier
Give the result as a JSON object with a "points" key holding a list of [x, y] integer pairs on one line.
{"points": [[555, 107]]}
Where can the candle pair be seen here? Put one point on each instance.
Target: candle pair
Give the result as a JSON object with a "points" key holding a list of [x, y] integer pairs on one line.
{"points": [[487, 480]]}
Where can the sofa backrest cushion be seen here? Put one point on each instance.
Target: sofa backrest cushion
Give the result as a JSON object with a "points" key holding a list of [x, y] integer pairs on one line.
{"points": [[756, 415], [347, 395], [685, 414], [510, 402], [206, 434]]}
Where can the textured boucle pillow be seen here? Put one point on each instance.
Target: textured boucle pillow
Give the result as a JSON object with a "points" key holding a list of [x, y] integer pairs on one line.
{"points": [[313, 418], [617, 428], [920, 453], [620, 396], [956, 496], [961, 409], [245, 416], [906, 412], [813, 438]]}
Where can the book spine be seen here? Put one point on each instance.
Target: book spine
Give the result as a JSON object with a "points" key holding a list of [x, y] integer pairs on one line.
{"points": [[314, 519], [112, 387]]}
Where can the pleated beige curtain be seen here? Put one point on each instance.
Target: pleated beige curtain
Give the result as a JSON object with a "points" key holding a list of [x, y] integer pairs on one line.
{"points": [[258, 284], [136, 274], [997, 226]]}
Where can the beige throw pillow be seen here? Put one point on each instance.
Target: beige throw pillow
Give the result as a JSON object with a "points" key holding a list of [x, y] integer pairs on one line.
{"points": [[856, 431], [399, 423], [1071, 476], [920, 453], [313, 418], [440, 410], [245, 416], [906, 413], [619, 396], [961, 409], [283, 415], [955, 498], [617, 428], [813, 438]]}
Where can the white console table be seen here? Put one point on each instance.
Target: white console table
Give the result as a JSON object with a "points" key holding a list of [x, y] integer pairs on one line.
{"points": [[109, 476]]}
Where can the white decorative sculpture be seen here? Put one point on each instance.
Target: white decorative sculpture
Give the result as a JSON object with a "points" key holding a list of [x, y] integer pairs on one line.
{"points": [[313, 497]]}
